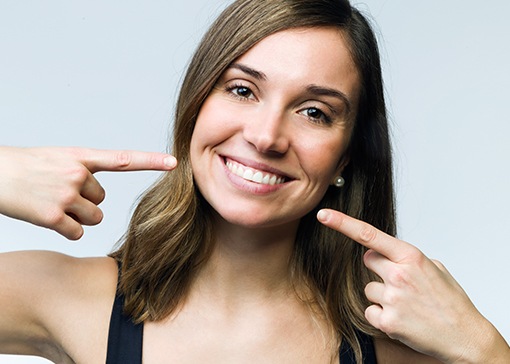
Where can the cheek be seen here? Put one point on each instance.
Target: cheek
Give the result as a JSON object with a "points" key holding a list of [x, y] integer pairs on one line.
{"points": [[322, 160], [214, 123], [205, 127]]}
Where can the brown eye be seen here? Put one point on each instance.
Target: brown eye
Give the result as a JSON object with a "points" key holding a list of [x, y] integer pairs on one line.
{"points": [[316, 115], [240, 92], [243, 91]]}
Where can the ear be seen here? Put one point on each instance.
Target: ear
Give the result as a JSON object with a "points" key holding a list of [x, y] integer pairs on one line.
{"points": [[342, 163]]}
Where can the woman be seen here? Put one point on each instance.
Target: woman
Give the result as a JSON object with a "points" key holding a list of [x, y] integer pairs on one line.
{"points": [[280, 122]]}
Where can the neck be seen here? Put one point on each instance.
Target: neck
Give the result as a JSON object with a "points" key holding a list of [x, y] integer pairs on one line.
{"points": [[247, 263]]}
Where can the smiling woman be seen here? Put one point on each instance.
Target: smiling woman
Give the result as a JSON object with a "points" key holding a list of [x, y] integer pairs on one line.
{"points": [[269, 238], [276, 128]]}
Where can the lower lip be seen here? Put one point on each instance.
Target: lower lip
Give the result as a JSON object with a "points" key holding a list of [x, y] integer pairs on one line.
{"points": [[250, 186]]}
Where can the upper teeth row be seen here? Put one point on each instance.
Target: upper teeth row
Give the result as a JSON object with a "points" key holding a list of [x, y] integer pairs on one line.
{"points": [[253, 175]]}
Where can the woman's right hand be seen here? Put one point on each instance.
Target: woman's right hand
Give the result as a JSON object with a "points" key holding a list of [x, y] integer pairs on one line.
{"points": [[55, 187]]}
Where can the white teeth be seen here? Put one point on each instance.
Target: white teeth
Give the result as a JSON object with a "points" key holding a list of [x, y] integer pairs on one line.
{"points": [[248, 174], [257, 177], [254, 175]]}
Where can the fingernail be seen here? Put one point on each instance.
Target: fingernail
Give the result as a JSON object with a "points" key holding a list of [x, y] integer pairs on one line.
{"points": [[323, 215], [170, 161]]}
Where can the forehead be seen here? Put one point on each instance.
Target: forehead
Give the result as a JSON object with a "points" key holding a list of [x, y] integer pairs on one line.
{"points": [[306, 56]]}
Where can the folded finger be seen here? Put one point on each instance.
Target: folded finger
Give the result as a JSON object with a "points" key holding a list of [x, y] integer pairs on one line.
{"points": [[92, 190], [373, 315], [377, 263], [69, 228], [374, 291], [85, 212]]}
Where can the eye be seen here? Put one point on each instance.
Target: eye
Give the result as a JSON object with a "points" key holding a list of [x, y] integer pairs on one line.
{"points": [[240, 92], [316, 115]]}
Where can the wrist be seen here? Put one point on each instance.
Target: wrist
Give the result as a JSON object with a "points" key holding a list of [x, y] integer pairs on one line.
{"points": [[486, 345]]}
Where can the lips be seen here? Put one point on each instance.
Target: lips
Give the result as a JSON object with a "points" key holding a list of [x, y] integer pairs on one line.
{"points": [[253, 174]]}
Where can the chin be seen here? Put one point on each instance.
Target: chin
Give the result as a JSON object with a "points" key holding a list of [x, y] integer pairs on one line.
{"points": [[253, 219]]}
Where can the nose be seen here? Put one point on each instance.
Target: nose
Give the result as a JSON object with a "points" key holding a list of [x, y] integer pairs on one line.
{"points": [[267, 131]]}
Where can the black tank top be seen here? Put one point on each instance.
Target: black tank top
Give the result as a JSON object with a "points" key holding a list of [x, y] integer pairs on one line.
{"points": [[125, 341]]}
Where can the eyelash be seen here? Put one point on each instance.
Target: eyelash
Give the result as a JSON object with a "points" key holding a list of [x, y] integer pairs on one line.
{"points": [[231, 89], [234, 88], [323, 118]]}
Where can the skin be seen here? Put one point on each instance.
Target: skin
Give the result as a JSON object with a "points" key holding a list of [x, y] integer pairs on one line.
{"points": [[240, 307], [419, 303], [67, 194], [56, 306], [263, 121], [258, 116]]}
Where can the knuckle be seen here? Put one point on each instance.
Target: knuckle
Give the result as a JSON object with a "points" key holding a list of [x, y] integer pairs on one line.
{"points": [[392, 298], [387, 327], [417, 256], [368, 289], [97, 216], [388, 324], [67, 198], [398, 276], [75, 234], [72, 151], [438, 264], [368, 234], [369, 255], [78, 175], [75, 153], [81, 174], [383, 319], [153, 161], [101, 195], [54, 218], [123, 159], [371, 314], [417, 259]]}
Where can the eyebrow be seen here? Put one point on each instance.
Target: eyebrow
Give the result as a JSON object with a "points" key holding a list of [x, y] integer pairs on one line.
{"points": [[250, 71]]}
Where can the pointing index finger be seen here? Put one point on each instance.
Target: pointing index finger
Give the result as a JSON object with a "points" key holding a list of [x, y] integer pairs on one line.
{"points": [[126, 160], [365, 234]]}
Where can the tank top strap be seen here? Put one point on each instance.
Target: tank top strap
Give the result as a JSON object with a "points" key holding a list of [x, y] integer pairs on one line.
{"points": [[125, 338], [367, 349]]}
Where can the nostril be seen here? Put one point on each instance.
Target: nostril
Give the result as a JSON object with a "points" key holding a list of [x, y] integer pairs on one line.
{"points": [[269, 144], [267, 133]]}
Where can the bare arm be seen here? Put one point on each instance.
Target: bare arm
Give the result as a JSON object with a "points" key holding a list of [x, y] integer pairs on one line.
{"points": [[27, 284], [56, 188], [56, 306]]}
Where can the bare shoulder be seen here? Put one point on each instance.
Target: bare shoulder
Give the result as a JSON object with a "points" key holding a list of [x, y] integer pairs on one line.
{"points": [[57, 306], [54, 274], [392, 352]]}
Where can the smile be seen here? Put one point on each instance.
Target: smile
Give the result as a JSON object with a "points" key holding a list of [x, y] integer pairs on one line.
{"points": [[253, 175]]}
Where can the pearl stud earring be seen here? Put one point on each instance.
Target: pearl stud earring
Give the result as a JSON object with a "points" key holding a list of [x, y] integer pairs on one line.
{"points": [[339, 181]]}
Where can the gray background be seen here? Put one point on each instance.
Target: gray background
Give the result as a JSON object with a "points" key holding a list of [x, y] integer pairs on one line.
{"points": [[104, 75]]}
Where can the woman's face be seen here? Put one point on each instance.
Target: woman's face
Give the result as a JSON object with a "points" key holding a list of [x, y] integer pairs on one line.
{"points": [[272, 134]]}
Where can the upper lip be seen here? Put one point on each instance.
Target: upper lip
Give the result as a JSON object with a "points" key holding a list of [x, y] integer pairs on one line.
{"points": [[259, 166]]}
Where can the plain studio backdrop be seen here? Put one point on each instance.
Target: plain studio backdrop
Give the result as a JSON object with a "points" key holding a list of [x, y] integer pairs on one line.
{"points": [[104, 74]]}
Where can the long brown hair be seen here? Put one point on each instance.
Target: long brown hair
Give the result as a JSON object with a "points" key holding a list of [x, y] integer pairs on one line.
{"points": [[170, 233]]}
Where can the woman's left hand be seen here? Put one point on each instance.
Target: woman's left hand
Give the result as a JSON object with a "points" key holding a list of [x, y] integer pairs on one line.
{"points": [[419, 302]]}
